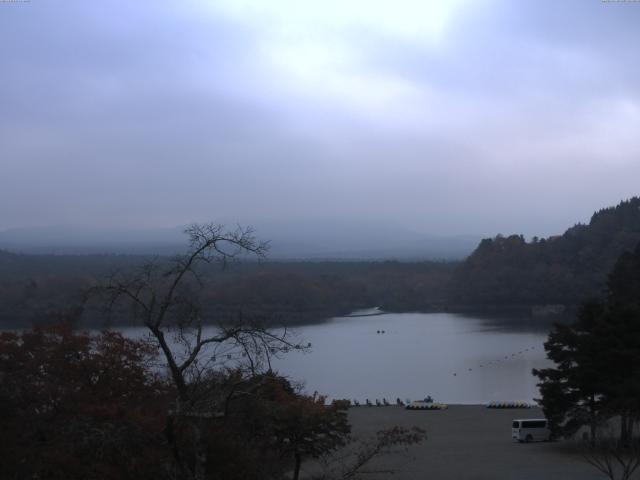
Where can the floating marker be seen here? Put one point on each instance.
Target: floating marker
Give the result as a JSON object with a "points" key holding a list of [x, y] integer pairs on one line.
{"points": [[495, 404]]}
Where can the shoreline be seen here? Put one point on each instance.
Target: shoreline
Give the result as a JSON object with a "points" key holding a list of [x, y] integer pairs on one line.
{"points": [[497, 314]]}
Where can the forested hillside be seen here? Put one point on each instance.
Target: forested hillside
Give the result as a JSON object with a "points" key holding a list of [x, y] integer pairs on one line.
{"points": [[566, 269]]}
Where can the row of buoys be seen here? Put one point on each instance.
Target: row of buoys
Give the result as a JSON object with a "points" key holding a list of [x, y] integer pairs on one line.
{"points": [[495, 362], [509, 405], [420, 405], [380, 331]]}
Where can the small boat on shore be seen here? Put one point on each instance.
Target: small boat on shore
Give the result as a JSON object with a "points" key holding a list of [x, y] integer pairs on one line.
{"points": [[422, 405]]}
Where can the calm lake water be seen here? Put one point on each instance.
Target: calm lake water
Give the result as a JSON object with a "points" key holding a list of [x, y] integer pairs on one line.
{"points": [[453, 358]]}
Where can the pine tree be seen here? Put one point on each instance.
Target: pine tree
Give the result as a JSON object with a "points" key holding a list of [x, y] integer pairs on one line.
{"points": [[597, 371]]}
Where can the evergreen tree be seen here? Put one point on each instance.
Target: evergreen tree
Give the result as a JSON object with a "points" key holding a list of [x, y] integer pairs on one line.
{"points": [[597, 372], [571, 394]]}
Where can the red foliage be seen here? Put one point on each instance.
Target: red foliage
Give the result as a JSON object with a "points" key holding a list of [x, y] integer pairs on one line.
{"points": [[73, 405], [269, 429]]}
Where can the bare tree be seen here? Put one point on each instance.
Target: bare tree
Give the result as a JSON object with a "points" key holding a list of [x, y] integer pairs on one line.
{"points": [[356, 460], [616, 459], [163, 296]]}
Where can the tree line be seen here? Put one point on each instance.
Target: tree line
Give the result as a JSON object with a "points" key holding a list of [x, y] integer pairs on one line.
{"points": [[33, 287]]}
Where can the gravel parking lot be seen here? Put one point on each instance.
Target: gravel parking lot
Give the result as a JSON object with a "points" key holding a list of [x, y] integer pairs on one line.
{"points": [[472, 442]]}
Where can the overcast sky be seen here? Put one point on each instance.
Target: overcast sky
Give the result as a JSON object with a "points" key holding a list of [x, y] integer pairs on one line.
{"points": [[441, 117]]}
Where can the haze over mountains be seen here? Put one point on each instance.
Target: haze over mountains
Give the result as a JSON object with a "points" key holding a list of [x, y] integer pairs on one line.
{"points": [[301, 240], [504, 272]]}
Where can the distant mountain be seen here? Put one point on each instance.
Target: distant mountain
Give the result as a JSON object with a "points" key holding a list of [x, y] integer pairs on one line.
{"points": [[333, 240], [562, 269]]}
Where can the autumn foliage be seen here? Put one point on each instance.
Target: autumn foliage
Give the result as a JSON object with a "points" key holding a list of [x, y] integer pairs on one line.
{"points": [[81, 406], [74, 405]]}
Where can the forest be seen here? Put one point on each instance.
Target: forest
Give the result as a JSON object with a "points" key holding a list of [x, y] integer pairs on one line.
{"points": [[563, 269], [505, 272], [36, 287]]}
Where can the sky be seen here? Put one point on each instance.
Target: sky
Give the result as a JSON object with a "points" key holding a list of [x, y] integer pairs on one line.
{"points": [[438, 117]]}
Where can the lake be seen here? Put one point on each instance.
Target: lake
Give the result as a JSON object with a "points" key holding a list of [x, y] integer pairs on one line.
{"points": [[454, 358]]}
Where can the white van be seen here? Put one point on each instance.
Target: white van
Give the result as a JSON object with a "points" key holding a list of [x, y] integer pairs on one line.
{"points": [[530, 430]]}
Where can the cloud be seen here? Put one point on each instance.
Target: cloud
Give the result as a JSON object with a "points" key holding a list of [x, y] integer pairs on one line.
{"points": [[429, 114]]}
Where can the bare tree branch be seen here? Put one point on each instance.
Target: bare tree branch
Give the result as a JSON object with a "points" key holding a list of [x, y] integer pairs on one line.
{"points": [[162, 296]]}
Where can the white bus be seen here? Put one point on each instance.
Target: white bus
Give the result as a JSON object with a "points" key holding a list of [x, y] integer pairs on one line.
{"points": [[530, 430]]}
